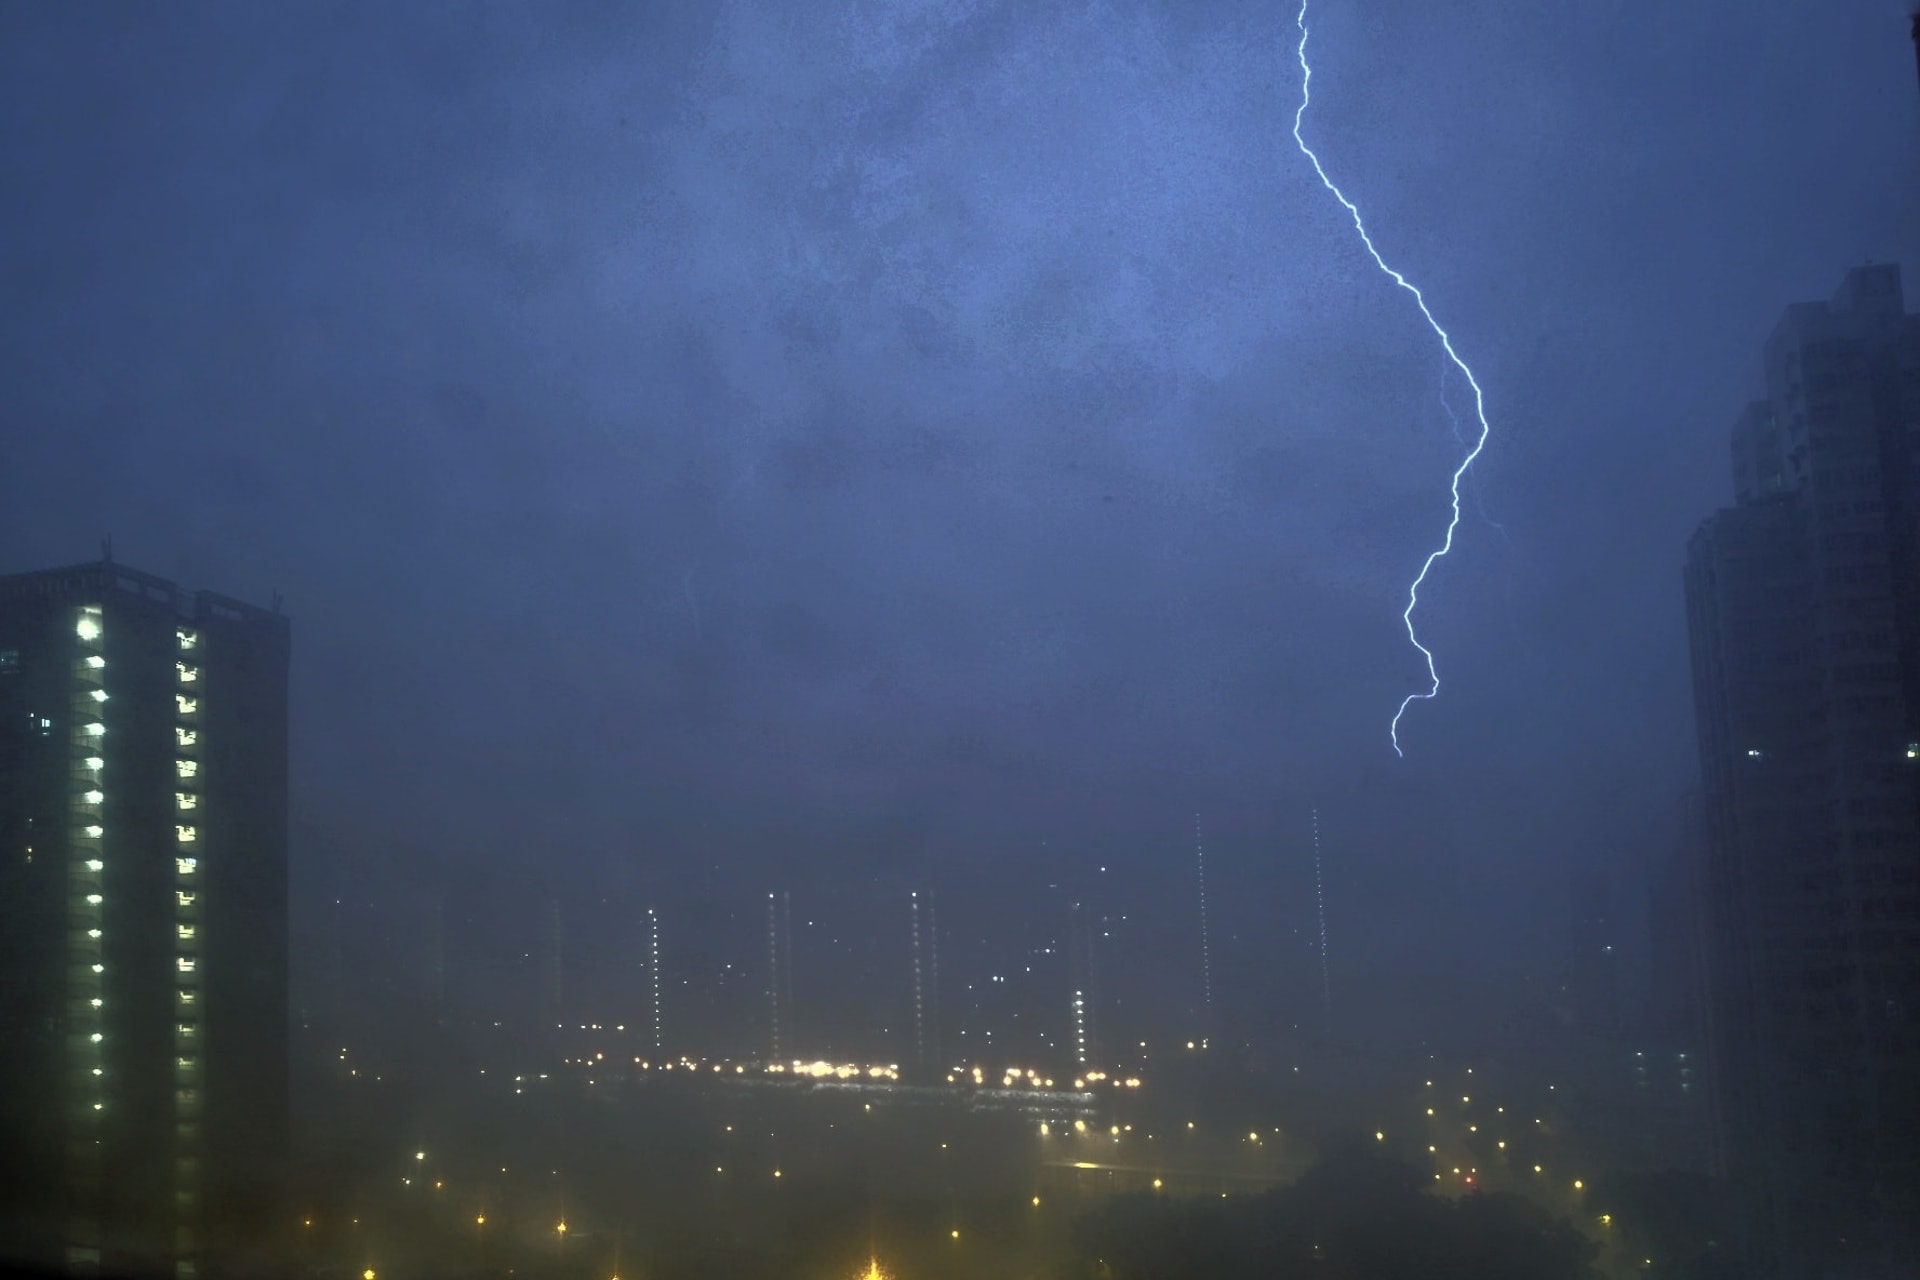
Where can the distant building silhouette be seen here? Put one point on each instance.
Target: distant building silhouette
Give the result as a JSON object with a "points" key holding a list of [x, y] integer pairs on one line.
{"points": [[143, 919], [1803, 604], [1083, 932], [926, 985], [779, 977]]}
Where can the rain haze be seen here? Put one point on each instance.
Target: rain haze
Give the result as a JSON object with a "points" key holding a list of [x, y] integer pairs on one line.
{"points": [[849, 449]]}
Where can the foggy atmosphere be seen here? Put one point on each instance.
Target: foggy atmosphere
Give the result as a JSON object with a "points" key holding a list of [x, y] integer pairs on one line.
{"points": [[952, 640]]}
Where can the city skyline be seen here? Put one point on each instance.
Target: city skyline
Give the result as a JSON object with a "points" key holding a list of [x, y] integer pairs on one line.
{"points": [[881, 534]]}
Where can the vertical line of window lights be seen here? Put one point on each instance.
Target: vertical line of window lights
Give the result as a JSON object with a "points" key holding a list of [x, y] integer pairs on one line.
{"points": [[189, 1076], [87, 882]]}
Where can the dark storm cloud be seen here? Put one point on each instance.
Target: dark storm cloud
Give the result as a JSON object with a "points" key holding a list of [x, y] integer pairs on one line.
{"points": [[875, 436]]}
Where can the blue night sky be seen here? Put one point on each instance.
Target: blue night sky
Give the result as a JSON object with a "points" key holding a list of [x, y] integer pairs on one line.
{"points": [[712, 447]]}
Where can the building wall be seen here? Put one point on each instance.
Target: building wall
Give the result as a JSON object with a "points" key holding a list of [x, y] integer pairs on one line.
{"points": [[1801, 607]]}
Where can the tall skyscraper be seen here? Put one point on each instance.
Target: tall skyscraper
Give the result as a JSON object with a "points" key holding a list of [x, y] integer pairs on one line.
{"points": [[1803, 604], [1083, 1008], [143, 918], [779, 977], [926, 985], [653, 978]]}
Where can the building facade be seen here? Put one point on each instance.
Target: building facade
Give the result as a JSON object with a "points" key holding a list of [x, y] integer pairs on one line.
{"points": [[143, 921], [1804, 613]]}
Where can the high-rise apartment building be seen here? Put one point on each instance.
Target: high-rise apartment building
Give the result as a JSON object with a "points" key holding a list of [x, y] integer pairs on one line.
{"points": [[143, 920], [1803, 604]]}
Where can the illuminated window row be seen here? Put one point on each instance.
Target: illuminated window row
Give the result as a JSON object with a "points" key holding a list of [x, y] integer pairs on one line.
{"points": [[186, 1028], [86, 901]]}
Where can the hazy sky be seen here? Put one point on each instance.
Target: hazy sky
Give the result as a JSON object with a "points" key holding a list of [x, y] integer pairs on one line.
{"points": [[947, 442]]}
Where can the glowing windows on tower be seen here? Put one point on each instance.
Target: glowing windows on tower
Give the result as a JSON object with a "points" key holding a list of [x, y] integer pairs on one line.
{"points": [[186, 768], [188, 674], [185, 737], [185, 800]]}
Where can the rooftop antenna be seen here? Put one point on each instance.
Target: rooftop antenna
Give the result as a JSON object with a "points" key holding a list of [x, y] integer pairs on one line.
{"points": [[106, 548]]}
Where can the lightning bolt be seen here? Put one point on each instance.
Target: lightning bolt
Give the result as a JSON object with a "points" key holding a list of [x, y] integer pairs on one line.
{"points": [[1446, 342]]}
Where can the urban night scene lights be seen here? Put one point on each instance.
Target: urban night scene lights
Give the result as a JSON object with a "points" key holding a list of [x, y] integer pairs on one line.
{"points": [[736, 639]]}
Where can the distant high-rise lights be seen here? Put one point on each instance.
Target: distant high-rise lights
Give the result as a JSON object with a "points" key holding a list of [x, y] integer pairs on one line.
{"points": [[653, 972], [1206, 952]]}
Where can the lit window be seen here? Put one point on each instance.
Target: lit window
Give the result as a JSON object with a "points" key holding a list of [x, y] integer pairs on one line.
{"points": [[184, 964], [93, 933], [185, 737], [93, 899], [96, 1037], [187, 639], [96, 1002], [88, 628], [186, 866], [93, 832], [94, 730], [181, 898], [187, 674], [186, 995], [99, 968], [99, 695], [186, 834], [93, 797], [186, 768], [94, 763], [183, 1064], [187, 706], [95, 661], [186, 800], [186, 932], [94, 864], [186, 1029]]}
